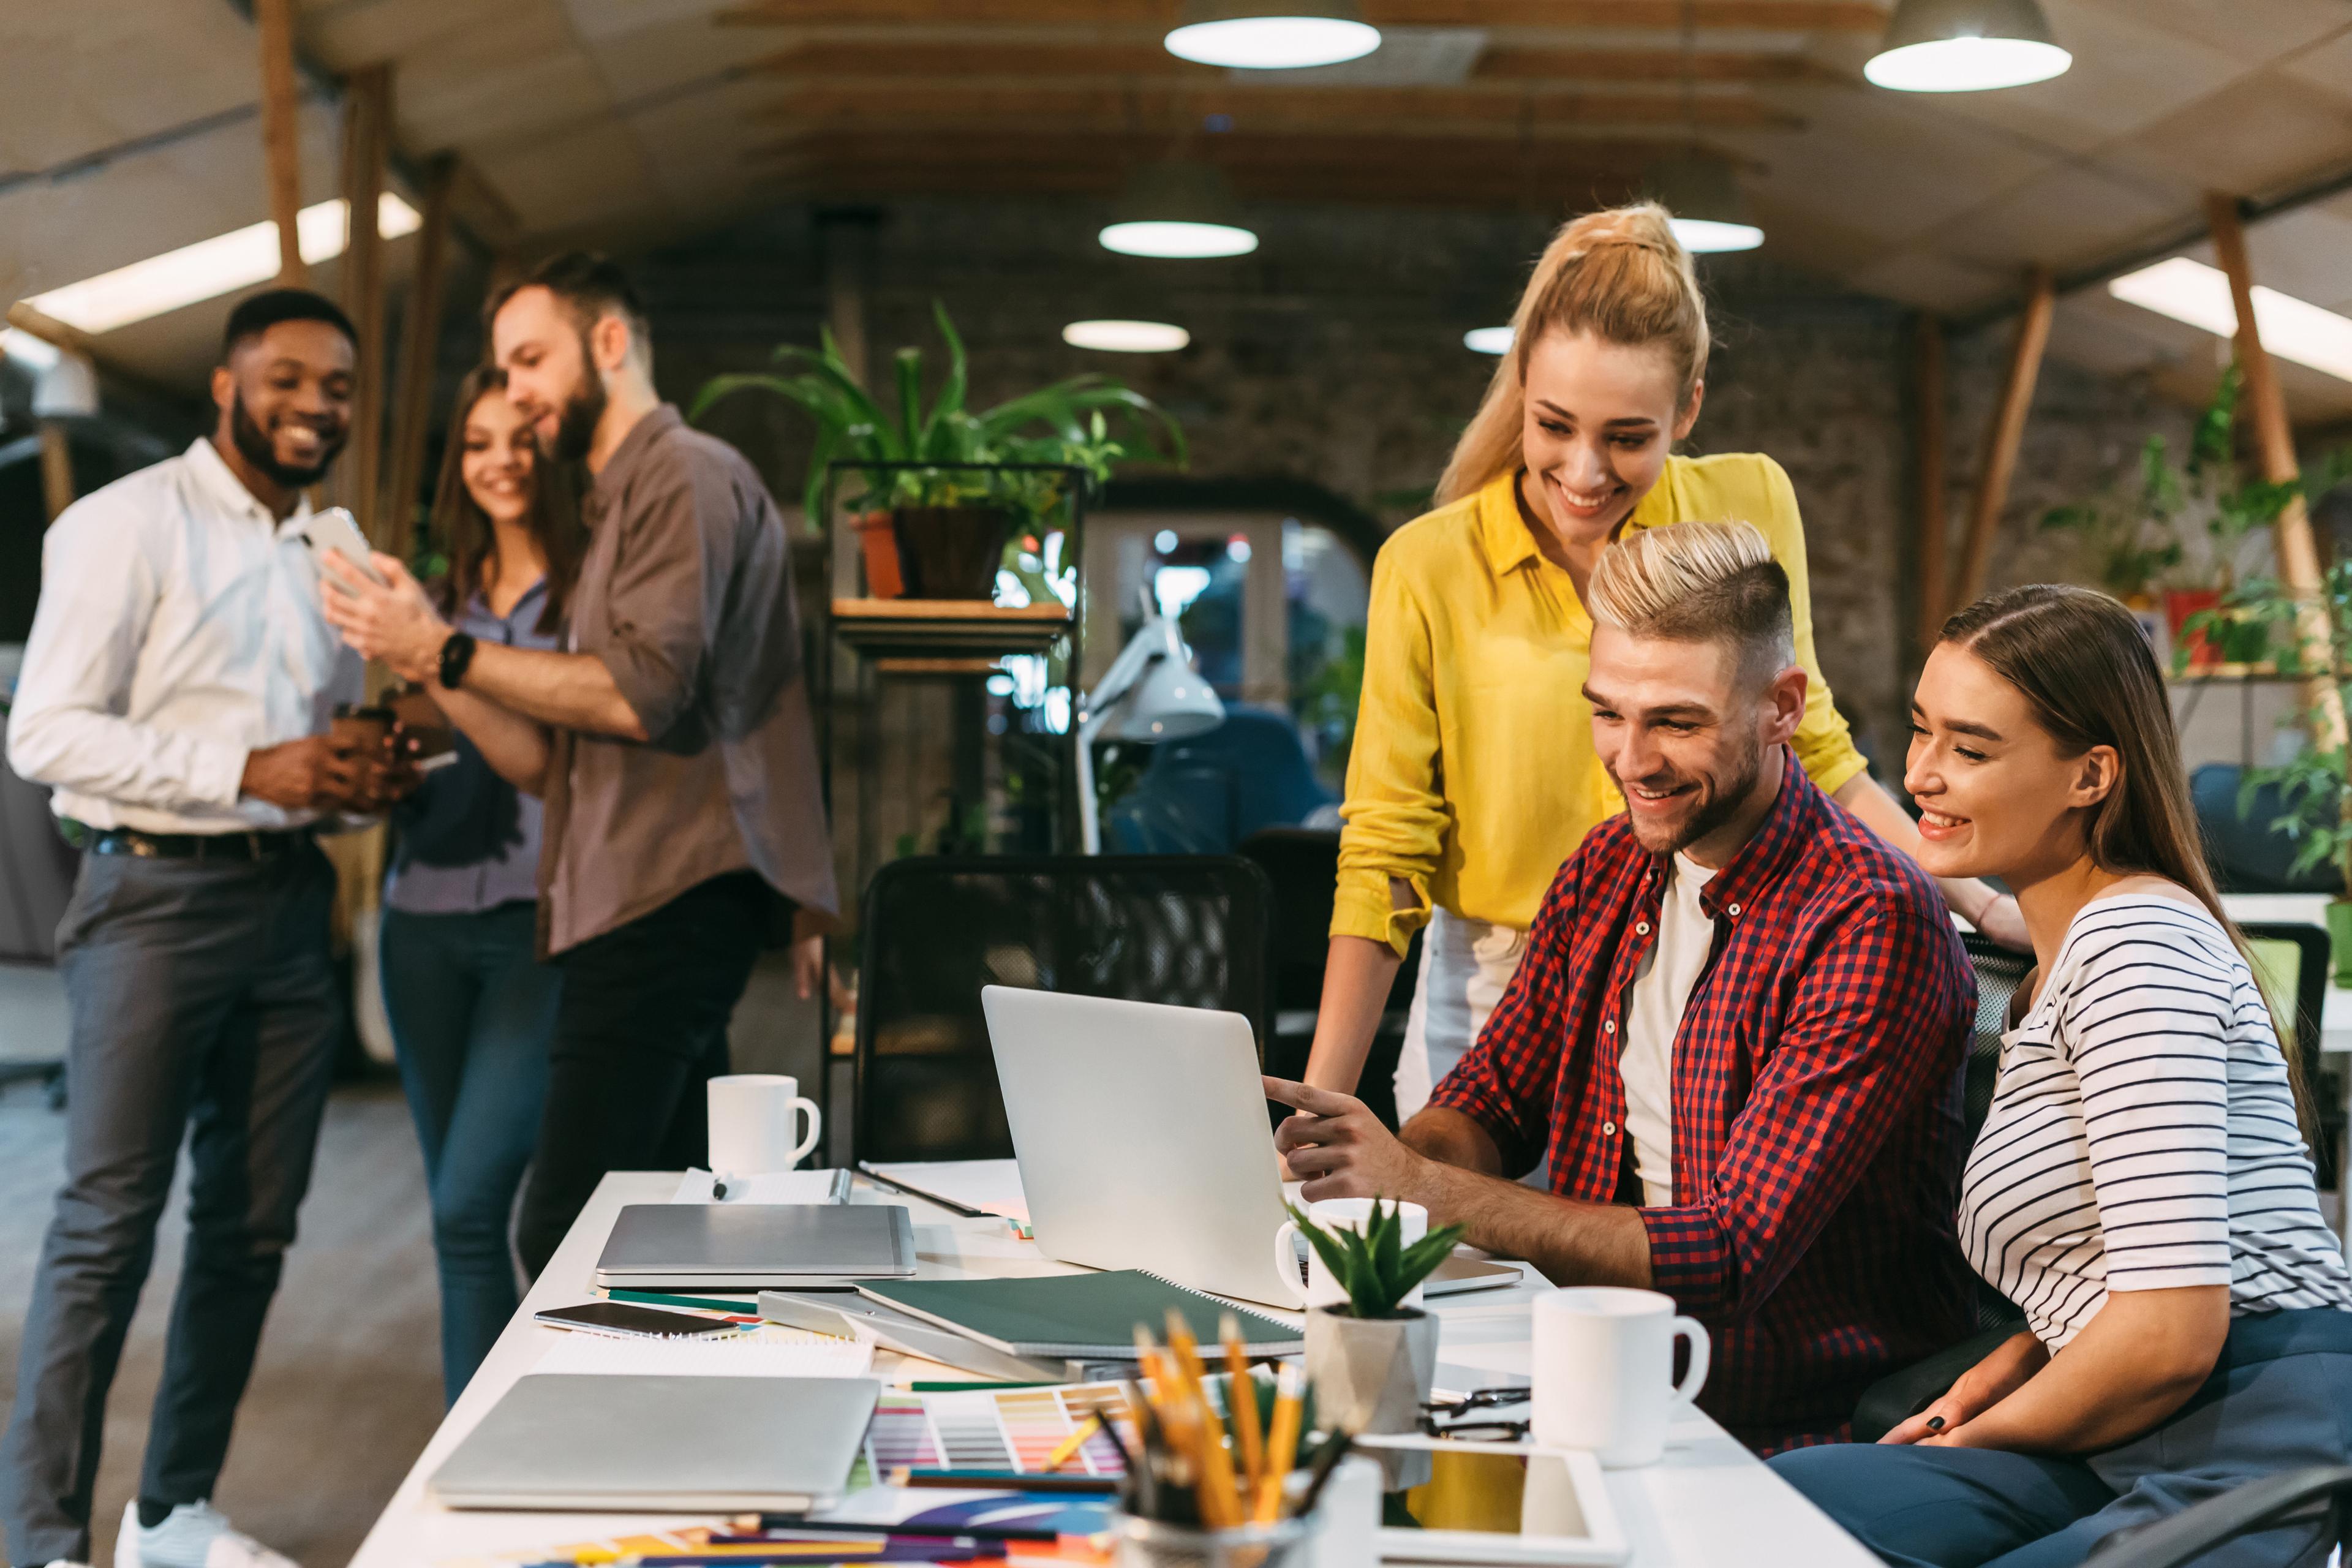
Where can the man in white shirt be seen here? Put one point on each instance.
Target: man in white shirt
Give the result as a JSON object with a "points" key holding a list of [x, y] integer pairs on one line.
{"points": [[176, 695]]}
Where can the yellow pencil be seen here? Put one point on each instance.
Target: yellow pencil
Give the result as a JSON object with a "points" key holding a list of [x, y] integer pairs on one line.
{"points": [[1281, 1445], [1073, 1443], [1240, 1398]]}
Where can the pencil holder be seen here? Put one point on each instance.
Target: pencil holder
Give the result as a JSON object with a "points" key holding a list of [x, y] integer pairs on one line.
{"points": [[1149, 1543]]}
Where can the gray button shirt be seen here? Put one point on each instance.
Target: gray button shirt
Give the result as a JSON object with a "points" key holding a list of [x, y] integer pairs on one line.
{"points": [[686, 595]]}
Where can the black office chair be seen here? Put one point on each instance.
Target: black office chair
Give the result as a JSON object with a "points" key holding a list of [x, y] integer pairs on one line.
{"points": [[1303, 866], [2294, 958], [1899, 1395], [1191, 930], [2321, 1491]]}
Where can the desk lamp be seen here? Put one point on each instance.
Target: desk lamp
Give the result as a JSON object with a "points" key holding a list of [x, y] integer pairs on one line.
{"points": [[1152, 692]]}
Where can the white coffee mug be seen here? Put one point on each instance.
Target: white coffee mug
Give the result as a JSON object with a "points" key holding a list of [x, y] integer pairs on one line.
{"points": [[752, 1117], [1338, 1214], [1604, 1371]]}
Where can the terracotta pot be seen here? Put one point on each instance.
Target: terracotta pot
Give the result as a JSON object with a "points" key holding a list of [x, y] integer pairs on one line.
{"points": [[2196, 647], [950, 552], [1370, 1377], [878, 541]]}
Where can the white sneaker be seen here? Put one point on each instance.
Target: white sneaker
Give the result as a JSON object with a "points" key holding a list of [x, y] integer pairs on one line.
{"points": [[196, 1535], [66, 1563]]}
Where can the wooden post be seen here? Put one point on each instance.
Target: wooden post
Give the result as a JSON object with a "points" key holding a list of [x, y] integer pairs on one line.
{"points": [[2266, 408], [281, 140], [420, 340], [1927, 440], [57, 468], [367, 125], [2006, 432]]}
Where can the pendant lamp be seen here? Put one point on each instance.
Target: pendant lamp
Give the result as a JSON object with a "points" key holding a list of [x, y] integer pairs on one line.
{"points": [[1180, 208], [1699, 189], [1965, 46], [1271, 35]]}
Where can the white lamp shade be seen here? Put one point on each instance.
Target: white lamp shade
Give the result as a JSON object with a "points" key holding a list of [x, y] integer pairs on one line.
{"points": [[1700, 191], [1172, 703], [1178, 209], [1271, 35], [1965, 46]]}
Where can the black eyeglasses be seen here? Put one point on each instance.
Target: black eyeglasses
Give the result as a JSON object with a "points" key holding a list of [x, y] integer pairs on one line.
{"points": [[1443, 1417]]}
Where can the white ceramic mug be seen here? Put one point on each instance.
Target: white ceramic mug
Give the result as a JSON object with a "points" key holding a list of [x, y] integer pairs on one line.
{"points": [[1604, 1371], [752, 1117], [1338, 1214]]}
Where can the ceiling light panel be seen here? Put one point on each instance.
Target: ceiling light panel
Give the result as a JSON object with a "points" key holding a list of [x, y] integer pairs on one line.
{"points": [[210, 267], [2291, 329]]}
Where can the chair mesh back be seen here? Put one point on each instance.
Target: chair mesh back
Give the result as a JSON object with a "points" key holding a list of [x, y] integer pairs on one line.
{"points": [[2000, 972], [1191, 931]]}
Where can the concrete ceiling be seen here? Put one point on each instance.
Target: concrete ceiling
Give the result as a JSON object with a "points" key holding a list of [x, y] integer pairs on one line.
{"points": [[129, 127]]}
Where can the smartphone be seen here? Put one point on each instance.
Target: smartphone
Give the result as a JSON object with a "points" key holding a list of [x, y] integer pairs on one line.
{"points": [[627, 1321], [336, 530]]}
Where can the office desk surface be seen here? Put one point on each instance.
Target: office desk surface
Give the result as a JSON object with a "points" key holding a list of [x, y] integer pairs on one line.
{"points": [[1709, 1502]]}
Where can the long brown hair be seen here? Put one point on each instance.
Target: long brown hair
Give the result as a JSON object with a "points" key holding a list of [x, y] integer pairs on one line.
{"points": [[1620, 275], [464, 530], [2082, 662]]}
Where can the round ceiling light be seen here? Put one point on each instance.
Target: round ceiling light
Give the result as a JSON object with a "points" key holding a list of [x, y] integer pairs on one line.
{"points": [[1271, 35], [1122, 337], [1487, 339], [1701, 195], [1965, 46], [1178, 210]]}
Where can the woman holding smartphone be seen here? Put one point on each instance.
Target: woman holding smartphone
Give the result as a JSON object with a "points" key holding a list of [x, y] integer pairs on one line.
{"points": [[2141, 1188], [1473, 775], [472, 1009]]}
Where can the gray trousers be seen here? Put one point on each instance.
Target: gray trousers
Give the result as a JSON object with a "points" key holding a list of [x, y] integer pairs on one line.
{"points": [[202, 1006]]}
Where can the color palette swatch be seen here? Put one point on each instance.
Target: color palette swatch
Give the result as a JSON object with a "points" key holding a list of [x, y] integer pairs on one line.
{"points": [[1011, 1429]]}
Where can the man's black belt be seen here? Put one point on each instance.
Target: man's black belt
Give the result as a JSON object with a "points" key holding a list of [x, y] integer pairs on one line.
{"points": [[247, 846]]}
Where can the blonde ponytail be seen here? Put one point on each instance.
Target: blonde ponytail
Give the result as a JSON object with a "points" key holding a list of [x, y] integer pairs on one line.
{"points": [[1620, 275]]}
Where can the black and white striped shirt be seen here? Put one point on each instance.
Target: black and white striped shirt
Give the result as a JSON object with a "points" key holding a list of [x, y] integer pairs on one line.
{"points": [[2142, 1134]]}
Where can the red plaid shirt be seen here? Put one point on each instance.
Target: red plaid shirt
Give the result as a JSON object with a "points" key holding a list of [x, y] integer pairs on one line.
{"points": [[1817, 1128]]}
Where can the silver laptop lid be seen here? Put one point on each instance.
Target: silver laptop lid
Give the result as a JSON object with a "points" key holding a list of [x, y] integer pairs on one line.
{"points": [[605, 1443], [747, 1246], [1142, 1136]]}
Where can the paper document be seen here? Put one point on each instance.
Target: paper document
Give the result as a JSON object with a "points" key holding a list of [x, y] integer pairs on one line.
{"points": [[776, 1188], [766, 1353]]}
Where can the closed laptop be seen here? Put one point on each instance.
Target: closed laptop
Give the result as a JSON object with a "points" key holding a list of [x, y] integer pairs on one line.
{"points": [[751, 1247]]}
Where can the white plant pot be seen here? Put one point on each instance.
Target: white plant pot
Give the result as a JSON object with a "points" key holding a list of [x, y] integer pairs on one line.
{"points": [[1371, 1377]]}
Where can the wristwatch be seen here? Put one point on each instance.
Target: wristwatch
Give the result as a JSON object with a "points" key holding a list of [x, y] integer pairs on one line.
{"points": [[455, 655]]}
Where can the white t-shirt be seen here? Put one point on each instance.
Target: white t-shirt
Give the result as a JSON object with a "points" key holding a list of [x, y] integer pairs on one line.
{"points": [[1654, 1012]]}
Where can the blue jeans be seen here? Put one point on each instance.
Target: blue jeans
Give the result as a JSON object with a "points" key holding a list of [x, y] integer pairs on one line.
{"points": [[472, 1011], [2279, 1398]]}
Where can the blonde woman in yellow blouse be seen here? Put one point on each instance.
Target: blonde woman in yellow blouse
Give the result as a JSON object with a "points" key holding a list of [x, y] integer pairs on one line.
{"points": [[1473, 775]]}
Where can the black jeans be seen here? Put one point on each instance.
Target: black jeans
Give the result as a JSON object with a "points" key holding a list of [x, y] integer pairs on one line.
{"points": [[203, 1007], [642, 1027]]}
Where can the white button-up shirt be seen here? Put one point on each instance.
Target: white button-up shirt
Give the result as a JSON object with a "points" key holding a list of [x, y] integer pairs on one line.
{"points": [[178, 630]]}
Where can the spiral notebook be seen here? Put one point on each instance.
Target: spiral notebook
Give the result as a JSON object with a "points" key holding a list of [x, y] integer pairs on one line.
{"points": [[1075, 1316]]}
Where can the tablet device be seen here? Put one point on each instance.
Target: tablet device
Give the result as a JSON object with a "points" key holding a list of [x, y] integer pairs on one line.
{"points": [[336, 530]]}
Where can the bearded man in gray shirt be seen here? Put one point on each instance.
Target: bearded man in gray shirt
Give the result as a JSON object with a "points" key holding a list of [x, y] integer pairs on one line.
{"points": [[671, 740]]}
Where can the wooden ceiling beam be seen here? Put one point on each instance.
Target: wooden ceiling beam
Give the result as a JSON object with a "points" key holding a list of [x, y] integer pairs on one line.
{"points": [[1262, 110], [1502, 69], [1616, 15]]}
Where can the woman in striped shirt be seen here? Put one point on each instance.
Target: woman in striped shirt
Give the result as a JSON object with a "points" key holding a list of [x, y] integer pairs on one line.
{"points": [[2141, 1188]]}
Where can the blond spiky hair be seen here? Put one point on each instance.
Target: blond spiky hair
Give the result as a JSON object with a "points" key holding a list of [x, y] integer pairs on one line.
{"points": [[1698, 582]]}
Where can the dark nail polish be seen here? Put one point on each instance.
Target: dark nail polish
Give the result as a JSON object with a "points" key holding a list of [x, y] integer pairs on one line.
{"points": [[1934, 1422]]}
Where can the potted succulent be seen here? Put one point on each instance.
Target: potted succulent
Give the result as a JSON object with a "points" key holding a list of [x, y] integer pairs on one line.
{"points": [[942, 532], [1371, 1360]]}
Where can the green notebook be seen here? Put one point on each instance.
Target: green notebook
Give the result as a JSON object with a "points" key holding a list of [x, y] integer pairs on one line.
{"points": [[1079, 1317]]}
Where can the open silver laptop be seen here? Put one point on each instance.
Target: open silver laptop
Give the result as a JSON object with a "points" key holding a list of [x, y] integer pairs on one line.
{"points": [[1144, 1141]]}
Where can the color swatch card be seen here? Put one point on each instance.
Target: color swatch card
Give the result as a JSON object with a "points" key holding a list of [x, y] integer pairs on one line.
{"points": [[1006, 1430]]}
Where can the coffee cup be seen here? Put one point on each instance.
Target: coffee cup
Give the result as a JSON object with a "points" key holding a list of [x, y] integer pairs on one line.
{"points": [[1604, 1371], [1338, 1214], [751, 1123]]}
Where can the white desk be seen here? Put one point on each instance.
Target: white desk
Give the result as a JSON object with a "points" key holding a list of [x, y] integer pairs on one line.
{"points": [[1709, 1502]]}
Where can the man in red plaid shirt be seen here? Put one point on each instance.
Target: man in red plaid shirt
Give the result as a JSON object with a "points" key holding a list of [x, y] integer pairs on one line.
{"points": [[1735, 1035]]}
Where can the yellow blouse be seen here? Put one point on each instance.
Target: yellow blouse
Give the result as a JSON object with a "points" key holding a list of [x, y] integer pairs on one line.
{"points": [[1474, 775]]}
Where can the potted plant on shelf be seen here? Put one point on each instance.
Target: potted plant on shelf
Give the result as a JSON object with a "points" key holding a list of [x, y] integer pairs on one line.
{"points": [[1371, 1360], [942, 532]]}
